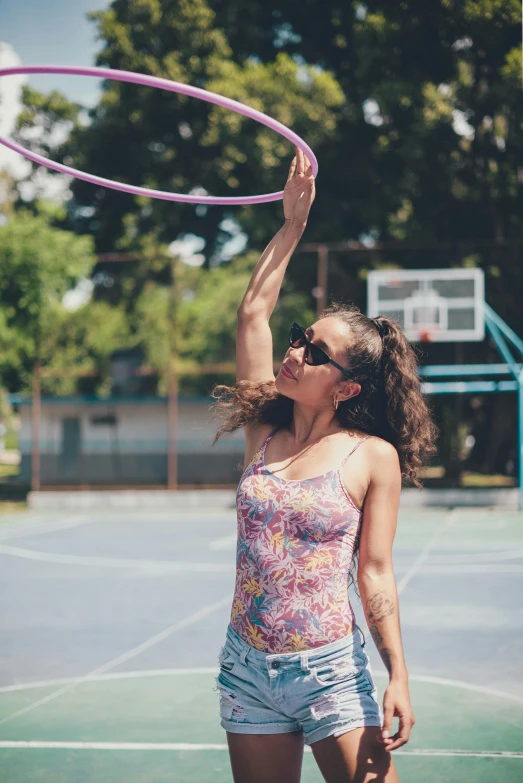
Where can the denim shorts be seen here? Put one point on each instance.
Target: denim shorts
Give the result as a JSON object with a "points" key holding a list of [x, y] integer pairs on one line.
{"points": [[323, 691]]}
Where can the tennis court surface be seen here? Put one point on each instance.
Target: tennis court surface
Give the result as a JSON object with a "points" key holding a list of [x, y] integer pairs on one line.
{"points": [[112, 623]]}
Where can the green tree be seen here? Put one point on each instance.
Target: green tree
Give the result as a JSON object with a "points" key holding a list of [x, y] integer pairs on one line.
{"points": [[38, 264], [430, 135], [76, 347], [412, 74], [205, 320], [166, 141], [413, 108], [169, 142]]}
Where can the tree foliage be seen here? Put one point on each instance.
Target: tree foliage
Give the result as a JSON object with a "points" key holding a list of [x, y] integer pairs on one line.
{"points": [[163, 140], [39, 263], [413, 109], [205, 320]]}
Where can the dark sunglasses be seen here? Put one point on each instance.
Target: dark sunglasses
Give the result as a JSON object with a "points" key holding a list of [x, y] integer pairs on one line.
{"points": [[314, 355]]}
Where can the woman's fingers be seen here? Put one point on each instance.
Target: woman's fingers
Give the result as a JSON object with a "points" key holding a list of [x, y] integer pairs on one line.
{"points": [[388, 714], [307, 165], [292, 168], [300, 177], [402, 736], [300, 156]]}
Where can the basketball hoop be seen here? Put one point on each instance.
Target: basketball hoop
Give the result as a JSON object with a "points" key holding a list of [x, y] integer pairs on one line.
{"points": [[431, 305]]}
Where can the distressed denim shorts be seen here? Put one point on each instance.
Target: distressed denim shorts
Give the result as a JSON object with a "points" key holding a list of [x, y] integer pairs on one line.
{"points": [[323, 691]]}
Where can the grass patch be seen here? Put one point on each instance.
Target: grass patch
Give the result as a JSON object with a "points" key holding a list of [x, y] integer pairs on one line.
{"points": [[432, 472], [8, 506], [7, 471], [469, 479], [11, 440]]}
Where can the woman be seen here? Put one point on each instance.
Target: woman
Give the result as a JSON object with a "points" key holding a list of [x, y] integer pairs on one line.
{"points": [[327, 443]]}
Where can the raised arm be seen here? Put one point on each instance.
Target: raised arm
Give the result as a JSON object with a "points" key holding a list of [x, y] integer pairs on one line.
{"points": [[377, 585], [254, 359]]}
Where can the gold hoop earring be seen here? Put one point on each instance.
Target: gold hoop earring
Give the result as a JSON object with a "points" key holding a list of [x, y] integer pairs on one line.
{"points": [[336, 403]]}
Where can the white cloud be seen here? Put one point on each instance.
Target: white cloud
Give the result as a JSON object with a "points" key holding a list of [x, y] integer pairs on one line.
{"points": [[10, 106], [41, 183]]}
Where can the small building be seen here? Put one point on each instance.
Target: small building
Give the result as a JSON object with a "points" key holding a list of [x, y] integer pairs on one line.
{"points": [[90, 441]]}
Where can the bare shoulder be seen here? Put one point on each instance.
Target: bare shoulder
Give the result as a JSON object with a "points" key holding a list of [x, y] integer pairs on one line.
{"points": [[255, 437], [383, 459], [375, 463], [378, 448]]}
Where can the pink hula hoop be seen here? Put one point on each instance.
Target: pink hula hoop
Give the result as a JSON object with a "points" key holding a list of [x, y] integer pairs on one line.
{"points": [[164, 84]]}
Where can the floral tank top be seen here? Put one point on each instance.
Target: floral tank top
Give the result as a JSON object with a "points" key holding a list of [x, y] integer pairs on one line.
{"points": [[294, 550]]}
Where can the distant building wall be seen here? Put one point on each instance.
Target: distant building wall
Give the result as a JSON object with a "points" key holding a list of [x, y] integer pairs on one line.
{"points": [[97, 442]]}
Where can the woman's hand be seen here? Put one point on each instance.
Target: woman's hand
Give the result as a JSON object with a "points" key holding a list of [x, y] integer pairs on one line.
{"points": [[396, 704], [299, 190]]}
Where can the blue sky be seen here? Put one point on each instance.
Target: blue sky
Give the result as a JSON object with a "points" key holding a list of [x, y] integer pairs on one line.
{"points": [[54, 32]]}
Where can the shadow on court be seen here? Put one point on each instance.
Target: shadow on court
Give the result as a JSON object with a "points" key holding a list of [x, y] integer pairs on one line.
{"points": [[111, 627]]}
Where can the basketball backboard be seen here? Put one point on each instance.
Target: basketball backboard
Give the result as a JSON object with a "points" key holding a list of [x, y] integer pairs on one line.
{"points": [[433, 305]]}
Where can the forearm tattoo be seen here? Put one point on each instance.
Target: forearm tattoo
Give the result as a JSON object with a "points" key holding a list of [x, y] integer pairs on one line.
{"points": [[378, 607]]}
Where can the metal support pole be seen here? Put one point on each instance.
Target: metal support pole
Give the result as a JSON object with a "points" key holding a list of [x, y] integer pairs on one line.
{"points": [[172, 393], [323, 264], [441, 370], [509, 333], [494, 325], [35, 426], [520, 439], [172, 418], [502, 346]]}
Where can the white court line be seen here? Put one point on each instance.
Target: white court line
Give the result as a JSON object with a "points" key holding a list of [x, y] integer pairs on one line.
{"points": [[227, 542], [423, 555], [473, 569], [15, 523], [415, 567], [483, 557], [460, 684], [22, 686], [159, 637], [152, 566], [17, 530], [177, 746], [214, 670], [175, 566]]}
